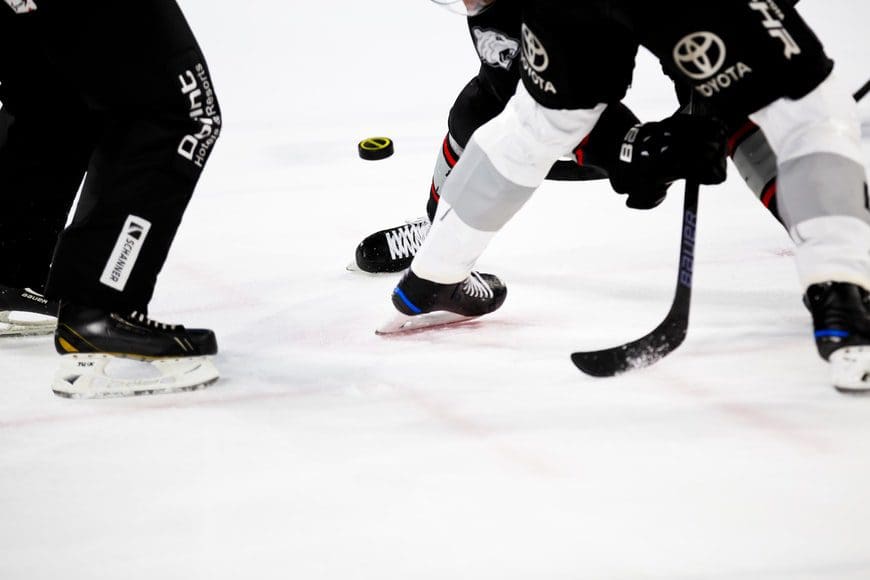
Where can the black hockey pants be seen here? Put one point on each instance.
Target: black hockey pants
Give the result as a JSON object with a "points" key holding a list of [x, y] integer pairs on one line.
{"points": [[118, 92]]}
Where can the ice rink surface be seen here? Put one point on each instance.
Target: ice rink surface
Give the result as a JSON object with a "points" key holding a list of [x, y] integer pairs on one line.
{"points": [[477, 452]]}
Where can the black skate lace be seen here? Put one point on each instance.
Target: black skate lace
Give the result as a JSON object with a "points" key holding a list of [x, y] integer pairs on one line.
{"points": [[405, 240], [142, 319], [476, 287]]}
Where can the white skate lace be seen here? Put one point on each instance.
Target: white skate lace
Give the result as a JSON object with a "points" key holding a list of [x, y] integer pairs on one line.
{"points": [[476, 287], [142, 319], [404, 241]]}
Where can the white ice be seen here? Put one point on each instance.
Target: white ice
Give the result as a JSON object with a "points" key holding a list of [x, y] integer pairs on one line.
{"points": [[477, 452]]}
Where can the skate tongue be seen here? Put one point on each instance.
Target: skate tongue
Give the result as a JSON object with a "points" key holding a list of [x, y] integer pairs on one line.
{"points": [[850, 369]]}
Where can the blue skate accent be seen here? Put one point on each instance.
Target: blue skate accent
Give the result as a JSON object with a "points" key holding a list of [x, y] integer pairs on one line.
{"points": [[408, 303], [829, 333]]}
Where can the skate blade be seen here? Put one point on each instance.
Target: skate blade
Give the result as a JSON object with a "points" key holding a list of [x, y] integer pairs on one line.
{"points": [[404, 323], [850, 369], [13, 323], [99, 376], [353, 267]]}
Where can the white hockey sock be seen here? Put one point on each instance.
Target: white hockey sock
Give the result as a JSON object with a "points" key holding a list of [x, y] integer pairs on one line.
{"points": [[451, 248], [821, 182], [832, 249]]}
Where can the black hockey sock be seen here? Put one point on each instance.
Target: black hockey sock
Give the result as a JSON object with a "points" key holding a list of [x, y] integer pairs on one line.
{"points": [[447, 158]]}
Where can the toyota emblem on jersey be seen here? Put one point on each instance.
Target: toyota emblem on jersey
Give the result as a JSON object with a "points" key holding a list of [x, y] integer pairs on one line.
{"points": [[700, 55], [534, 52], [21, 6], [494, 48]]}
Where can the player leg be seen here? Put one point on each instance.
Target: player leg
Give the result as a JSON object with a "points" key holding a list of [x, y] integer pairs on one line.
{"points": [[507, 158], [756, 162], [42, 162], [160, 122], [496, 35], [762, 59], [823, 202], [392, 249]]}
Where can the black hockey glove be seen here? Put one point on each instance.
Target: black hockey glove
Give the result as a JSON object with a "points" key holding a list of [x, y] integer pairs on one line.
{"points": [[647, 198], [654, 155]]}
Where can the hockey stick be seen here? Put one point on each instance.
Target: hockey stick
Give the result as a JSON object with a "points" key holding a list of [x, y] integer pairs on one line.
{"points": [[862, 92], [668, 335]]}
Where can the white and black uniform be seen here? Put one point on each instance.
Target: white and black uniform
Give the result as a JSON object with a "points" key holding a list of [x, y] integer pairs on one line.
{"points": [[117, 90], [496, 36], [746, 58]]}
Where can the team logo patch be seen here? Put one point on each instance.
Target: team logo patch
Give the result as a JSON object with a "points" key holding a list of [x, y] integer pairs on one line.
{"points": [[535, 60], [125, 253], [534, 52], [494, 48], [700, 55], [21, 6], [773, 17], [197, 88]]}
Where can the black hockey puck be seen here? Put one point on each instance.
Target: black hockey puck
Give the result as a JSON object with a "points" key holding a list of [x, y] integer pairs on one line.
{"points": [[375, 148]]}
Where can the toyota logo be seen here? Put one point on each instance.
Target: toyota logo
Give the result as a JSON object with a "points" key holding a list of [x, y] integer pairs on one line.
{"points": [[700, 55], [534, 52]]}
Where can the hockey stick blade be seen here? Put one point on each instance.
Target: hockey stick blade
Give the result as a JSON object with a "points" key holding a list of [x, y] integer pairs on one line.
{"points": [[668, 335]]}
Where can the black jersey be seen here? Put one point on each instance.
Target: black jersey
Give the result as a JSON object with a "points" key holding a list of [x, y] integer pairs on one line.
{"points": [[740, 54]]}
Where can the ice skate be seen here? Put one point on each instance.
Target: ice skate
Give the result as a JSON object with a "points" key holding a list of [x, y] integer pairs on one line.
{"points": [[424, 304], [842, 330], [25, 312], [391, 250], [106, 354]]}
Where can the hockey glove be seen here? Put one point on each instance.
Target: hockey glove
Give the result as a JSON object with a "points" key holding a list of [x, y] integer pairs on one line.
{"points": [[648, 198], [654, 155]]}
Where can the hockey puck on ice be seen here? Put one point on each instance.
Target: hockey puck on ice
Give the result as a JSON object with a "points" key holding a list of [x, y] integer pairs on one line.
{"points": [[375, 148]]}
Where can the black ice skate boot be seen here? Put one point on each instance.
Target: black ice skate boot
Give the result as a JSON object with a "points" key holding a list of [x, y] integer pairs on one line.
{"points": [[25, 312], [106, 354], [422, 304], [842, 330], [391, 250]]}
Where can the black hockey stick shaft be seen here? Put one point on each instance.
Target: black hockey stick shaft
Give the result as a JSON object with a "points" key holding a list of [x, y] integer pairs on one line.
{"points": [[668, 335], [862, 92]]}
